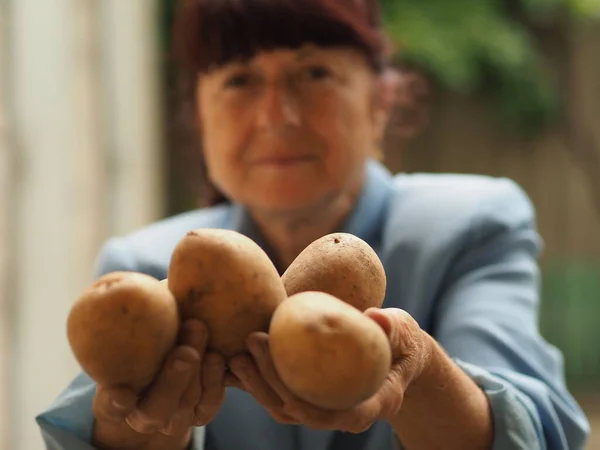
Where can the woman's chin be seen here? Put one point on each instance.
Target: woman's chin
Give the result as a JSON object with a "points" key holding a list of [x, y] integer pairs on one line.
{"points": [[282, 202]]}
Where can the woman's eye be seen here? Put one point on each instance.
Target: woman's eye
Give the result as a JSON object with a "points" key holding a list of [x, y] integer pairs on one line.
{"points": [[238, 81], [316, 73]]}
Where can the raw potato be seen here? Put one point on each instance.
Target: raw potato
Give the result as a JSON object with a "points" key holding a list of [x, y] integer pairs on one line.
{"points": [[342, 265], [228, 282], [121, 328], [327, 352]]}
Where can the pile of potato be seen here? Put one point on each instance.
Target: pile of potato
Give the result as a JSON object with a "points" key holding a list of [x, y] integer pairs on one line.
{"points": [[325, 350]]}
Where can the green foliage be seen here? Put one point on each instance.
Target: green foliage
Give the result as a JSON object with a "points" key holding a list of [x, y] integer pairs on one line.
{"points": [[476, 46], [575, 8], [569, 314]]}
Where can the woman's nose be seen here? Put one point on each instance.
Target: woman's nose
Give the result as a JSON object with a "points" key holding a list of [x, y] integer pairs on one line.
{"points": [[277, 109]]}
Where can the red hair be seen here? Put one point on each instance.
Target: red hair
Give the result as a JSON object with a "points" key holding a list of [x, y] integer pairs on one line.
{"points": [[211, 33]]}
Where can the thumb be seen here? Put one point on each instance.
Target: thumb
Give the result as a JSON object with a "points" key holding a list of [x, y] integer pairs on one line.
{"points": [[399, 326], [380, 316]]}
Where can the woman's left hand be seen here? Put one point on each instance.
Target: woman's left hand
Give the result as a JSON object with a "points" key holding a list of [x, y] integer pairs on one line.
{"points": [[411, 351]]}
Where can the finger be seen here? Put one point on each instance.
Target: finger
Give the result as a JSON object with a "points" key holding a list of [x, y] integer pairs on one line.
{"points": [[245, 369], [386, 403], [163, 398], [254, 383], [402, 330], [185, 418], [232, 381], [388, 400], [213, 388], [314, 417], [182, 421], [355, 420], [380, 317], [192, 395], [194, 334], [411, 346], [258, 344], [114, 404]]}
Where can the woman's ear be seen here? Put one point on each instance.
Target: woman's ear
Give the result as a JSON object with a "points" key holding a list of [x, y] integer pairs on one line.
{"points": [[385, 94], [411, 104]]}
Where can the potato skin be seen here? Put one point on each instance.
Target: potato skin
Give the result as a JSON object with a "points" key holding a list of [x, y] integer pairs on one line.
{"points": [[227, 281], [121, 328], [327, 352], [342, 265]]}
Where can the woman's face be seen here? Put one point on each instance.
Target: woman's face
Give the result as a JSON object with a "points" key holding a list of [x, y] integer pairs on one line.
{"points": [[290, 129]]}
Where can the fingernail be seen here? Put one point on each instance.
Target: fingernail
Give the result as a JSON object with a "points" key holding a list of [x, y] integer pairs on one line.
{"points": [[181, 365], [118, 405], [141, 424]]}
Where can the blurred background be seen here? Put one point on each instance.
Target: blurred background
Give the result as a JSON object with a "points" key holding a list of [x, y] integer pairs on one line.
{"points": [[94, 142]]}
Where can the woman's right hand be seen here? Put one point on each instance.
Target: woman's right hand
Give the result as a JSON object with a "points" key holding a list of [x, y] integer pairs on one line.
{"points": [[187, 392]]}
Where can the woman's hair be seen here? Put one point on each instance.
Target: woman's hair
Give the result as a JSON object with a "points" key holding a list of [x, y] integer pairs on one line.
{"points": [[208, 34], [211, 33]]}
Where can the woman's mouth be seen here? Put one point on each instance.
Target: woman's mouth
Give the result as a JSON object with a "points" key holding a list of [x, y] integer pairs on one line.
{"points": [[281, 160]]}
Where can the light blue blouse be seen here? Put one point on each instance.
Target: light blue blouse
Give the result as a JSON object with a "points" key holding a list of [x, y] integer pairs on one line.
{"points": [[460, 256]]}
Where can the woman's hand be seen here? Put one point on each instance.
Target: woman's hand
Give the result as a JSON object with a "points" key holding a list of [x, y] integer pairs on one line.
{"points": [[410, 355], [187, 392]]}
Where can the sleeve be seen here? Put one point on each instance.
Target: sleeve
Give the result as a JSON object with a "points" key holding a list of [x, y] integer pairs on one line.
{"points": [[68, 423], [487, 320]]}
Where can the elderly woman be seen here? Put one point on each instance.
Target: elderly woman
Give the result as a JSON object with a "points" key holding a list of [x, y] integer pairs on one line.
{"points": [[291, 100]]}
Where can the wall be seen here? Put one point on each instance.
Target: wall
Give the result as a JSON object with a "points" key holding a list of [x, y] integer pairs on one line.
{"points": [[86, 154], [5, 198]]}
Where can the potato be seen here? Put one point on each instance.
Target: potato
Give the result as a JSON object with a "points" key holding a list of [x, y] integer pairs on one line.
{"points": [[227, 281], [342, 265], [121, 328], [327, 352]]}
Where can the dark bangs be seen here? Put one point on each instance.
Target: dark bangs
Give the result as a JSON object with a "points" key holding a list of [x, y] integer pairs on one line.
{"points": [[211, 33]]}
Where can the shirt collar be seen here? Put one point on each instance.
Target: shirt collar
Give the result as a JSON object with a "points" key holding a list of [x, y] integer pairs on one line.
{"points": [[369, 213]]}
